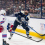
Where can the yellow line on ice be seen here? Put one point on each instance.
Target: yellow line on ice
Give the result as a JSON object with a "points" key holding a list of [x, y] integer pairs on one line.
{"points": [[30, 33]]}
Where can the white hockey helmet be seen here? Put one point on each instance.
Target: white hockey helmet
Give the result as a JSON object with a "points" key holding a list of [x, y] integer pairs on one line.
{"points": [[23, 12], [3, 12]]}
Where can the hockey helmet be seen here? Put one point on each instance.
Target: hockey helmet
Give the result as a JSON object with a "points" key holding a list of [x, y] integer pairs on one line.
{"points": [[3, 12], [22, 11]]}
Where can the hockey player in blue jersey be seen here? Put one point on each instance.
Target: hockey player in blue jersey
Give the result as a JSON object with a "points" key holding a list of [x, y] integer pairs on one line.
{"points": [[22, 19]]}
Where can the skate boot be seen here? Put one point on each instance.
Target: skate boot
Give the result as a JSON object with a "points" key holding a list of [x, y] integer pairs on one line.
{"points": [[27, 36], [5, 43], [27, 33], [10, 36]]}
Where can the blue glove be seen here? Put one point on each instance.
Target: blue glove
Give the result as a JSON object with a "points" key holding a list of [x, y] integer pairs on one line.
{"points": [[8, 26]]}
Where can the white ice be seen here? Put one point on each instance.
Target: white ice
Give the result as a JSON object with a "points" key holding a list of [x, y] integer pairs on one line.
{"points": [[19, 40]]}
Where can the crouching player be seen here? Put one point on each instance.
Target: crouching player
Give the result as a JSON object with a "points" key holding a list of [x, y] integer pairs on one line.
{"points": [[3, 27], [22, 19]]}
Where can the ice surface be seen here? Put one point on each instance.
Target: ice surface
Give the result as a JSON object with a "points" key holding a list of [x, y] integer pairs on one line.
{"points": [[19, 40]]}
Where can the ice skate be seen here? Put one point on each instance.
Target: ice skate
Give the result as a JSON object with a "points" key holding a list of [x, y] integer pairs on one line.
{"points": [[5, 43]]}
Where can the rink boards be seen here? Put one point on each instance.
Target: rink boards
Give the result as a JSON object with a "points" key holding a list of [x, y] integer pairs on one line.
{"points": [[36, 24]]}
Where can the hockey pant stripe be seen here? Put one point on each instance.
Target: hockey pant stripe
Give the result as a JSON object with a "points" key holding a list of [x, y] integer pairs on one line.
{"points": [[4, 35]]}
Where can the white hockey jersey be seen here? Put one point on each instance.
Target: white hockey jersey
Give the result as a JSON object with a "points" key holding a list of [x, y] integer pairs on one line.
{"points": [[2, 19], [3, 23]]}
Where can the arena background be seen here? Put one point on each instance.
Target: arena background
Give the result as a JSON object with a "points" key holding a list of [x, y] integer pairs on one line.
{"points": [[36, 8]]}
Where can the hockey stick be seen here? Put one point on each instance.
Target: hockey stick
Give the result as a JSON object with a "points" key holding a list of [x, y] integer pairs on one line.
{"points": [[36, 32], [29, 38]]}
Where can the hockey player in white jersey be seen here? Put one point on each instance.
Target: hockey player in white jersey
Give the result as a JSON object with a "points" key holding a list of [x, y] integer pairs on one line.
{"points": [[3, 25]]}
